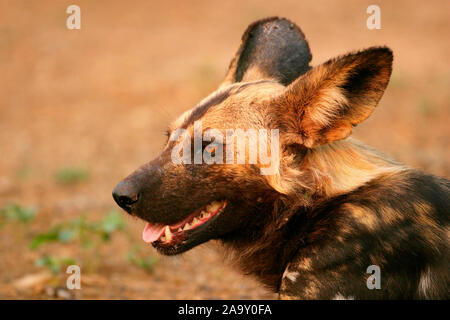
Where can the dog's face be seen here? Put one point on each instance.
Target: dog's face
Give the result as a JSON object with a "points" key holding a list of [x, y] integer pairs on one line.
{"points": [[192, 193], [199, 201]]}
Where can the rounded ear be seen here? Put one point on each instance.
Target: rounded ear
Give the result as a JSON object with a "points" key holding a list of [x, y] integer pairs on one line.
{"points": [[271, 48], [324, 104]]}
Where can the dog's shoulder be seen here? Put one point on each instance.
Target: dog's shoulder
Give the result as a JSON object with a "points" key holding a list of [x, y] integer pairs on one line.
{"points": [[384, 224]]}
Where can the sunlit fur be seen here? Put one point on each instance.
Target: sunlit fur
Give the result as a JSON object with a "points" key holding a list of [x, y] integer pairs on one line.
{"points": [[334, 206]]}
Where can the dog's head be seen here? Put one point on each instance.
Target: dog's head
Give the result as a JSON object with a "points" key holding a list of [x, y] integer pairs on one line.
{"points": [[227, 160]]}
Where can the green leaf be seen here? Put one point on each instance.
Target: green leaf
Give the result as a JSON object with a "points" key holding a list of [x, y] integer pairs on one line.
{"points": [[135, 257], [42, 238], [58, 233], [51, 262], [112, 222], [68, 261], [72, 175], [54, 263], [66, 235], [15, 212]]}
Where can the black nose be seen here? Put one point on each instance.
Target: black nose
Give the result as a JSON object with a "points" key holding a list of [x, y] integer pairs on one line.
{"points": [[126, 194]]}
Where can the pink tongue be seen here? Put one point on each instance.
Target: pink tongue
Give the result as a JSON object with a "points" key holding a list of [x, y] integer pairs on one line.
{"points": [[152, 232]]}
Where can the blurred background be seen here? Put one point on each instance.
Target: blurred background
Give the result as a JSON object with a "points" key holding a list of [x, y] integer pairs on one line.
{"points": [[81, 109]]}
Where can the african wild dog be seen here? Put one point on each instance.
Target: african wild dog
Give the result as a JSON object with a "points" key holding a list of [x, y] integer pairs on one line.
{"points": [[333, 206]]}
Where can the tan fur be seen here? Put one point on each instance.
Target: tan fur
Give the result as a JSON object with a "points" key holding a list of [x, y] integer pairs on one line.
{"points": [[324, 109], [305, 229], [287, 297], [333, 169], [362, 216], [342, 166]]}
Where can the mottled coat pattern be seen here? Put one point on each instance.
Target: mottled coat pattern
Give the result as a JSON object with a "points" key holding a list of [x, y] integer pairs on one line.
{"points": [[333, 207]]}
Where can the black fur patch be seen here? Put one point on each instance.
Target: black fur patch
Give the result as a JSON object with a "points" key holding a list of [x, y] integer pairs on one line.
{"points": [[405, 246], [277, 47]]}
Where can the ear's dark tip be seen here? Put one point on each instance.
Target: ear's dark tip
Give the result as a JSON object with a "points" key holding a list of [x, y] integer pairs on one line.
{"points": [[385, 50], [376, 57], [380, 52], [274, 46], [385, 57]]}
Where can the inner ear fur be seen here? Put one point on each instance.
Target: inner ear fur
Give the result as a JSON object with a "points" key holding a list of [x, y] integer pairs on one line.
{"points": [[324, 104], [272, 48]]}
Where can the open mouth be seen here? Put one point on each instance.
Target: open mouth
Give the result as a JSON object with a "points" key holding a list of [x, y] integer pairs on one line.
{"points": [[174, 234]]}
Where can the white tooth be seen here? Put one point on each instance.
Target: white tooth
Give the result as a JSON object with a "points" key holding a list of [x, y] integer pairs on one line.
{"points": [[204, 214], [195, 221], [179, 229], [187, 226], [213, 206], [168, 234]]}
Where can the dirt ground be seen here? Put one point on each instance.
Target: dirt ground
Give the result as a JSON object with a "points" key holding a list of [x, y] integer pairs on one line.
{"points": [[101, 97]]}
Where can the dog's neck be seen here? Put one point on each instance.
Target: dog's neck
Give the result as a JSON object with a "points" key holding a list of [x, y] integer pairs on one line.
{"points": [[340, 167], [330, 171]]}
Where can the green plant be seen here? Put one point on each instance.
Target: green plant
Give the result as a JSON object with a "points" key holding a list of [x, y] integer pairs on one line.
{"points": [[112, 222], [15, 212], [80, 229], [54, 263], [72, 175], [89, 234], [59, 233], [136, 257]]}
